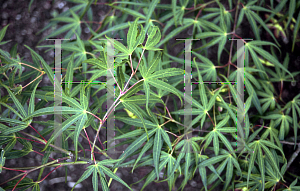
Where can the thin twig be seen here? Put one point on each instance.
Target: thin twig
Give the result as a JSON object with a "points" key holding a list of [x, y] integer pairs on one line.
{"points": [[30, 66], [113, 106], [89, 143], [295, 154], [289, 143], [42, 141], [34, 80], [231, 46], [115, 80]]}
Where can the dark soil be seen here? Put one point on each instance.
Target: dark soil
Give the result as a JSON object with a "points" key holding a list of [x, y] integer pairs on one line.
{"points": [[22, 30]]}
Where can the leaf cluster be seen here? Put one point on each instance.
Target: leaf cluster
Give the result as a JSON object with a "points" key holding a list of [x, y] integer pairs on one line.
{"points": [[236, 155]]}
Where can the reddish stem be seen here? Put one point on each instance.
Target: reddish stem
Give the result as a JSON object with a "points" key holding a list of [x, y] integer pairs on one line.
{"points": [[239, 38], [89, 143], [38, 133], [100, 142], [19, 181], [283, 184], [89, 150], [169, 113], [42, 154], [13, 169], [131, 86], [232, 64], [50, 173], [193, 7], [222, 66], [210, 119], [95, 116], [242, 5], [29, 140], [199, 13], [139, 61], [232, 9]]}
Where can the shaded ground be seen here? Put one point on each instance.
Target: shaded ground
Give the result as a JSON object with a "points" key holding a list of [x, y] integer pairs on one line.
{"points": [[23, 27]]}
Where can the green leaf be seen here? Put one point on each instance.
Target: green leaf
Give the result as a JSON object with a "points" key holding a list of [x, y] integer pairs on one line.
{"points": [[121, 78], [12, 109], [258, 19], [146, 147], [221, 45], [269, 57], [216, 144], [13, 121], [226, 143], [133, 108], [156, 151], [16, 102], [135, 145], [2, 32], [36, 187], [71, 28], [70, 101], [14, 129], [150, 12], [261, 166], [119, 46], [201, 86], [187, 162], [251, 162], [136, 122], [137, 87], [83, 99], [64, 19], [27, 145], [295, 122], [46, 66], [31, 102], [165, 86], [130, 11], [296, 29], [79, 127], [70, 121], [152, 174], [154, 37], [132, 35], [166, 138], [147, 93], [130, 134], [104, 183], [84, 176], [2, 160], [165, 73], [229, 172], [95, 180], [69, 76], [10, 146], [115, 28], [174, 2], [50, 110], [154, 64], [175, 32], [112, 175], [212, 160]]}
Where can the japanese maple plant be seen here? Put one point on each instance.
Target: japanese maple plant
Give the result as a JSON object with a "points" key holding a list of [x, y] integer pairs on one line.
{"points": [[246, 156]]}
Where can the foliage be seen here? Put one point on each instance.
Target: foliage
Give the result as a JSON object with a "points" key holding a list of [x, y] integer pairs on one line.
{"points": [[142, 63]]}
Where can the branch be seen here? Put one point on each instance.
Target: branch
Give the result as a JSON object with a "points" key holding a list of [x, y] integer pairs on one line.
{"points": [[293, 156]]}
